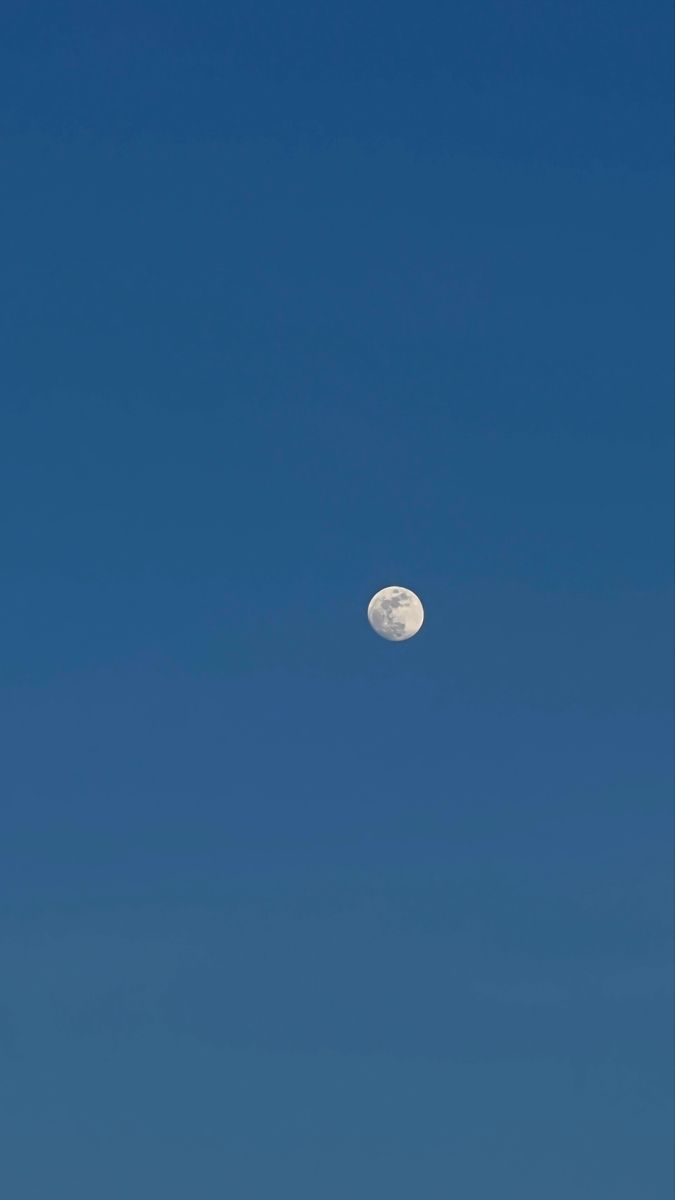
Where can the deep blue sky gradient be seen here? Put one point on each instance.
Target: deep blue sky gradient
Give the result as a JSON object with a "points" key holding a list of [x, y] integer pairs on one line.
{"points": [[298, 302]]}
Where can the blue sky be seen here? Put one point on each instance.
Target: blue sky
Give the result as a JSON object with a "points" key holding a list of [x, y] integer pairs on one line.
{"points": [[296, 304]]}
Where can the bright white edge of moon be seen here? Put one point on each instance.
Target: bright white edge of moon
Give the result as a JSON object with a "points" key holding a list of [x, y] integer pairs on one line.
{"points": [[396, 613]]}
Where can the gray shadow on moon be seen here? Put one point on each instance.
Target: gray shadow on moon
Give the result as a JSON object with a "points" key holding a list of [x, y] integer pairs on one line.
{"points": [[383, 620]]}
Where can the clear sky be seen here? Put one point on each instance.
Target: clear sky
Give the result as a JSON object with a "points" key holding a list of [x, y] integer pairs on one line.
{"points": [[298, 301]]}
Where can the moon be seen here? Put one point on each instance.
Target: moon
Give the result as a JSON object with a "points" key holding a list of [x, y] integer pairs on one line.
{"points": [[396, 613]]}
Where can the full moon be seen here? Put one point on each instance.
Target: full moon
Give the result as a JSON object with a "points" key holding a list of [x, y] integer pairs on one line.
{"points": [[396, 613]]}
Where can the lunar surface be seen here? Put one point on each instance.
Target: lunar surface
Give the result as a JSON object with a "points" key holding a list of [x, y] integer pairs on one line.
{"points": [[396, 613]]}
